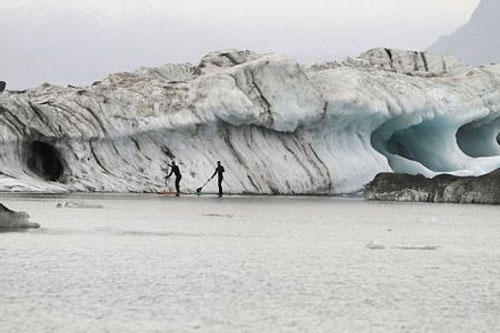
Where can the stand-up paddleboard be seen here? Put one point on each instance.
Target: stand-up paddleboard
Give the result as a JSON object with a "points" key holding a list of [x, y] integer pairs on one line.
{"points": [[168, 194]]}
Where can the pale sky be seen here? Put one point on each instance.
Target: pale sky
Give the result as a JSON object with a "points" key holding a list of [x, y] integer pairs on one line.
{"points": [[80, 41]]}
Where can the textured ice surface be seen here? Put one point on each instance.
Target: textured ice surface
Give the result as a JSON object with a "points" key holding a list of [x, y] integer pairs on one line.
{"points": [[277, 126]]}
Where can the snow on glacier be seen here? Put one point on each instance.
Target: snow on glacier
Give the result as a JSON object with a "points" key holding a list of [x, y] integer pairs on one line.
{"points": [[277, 126]]}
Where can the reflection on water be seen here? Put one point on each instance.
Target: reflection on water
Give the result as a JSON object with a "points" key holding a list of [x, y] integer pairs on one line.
{"points": [[151, 263]]}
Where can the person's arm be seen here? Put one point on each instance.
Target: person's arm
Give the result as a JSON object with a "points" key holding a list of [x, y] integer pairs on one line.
{"points": [[215, 172], [170, 174]]}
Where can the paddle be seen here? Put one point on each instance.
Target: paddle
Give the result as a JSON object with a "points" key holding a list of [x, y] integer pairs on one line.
{"points": [[166, 179], [198, 190]]}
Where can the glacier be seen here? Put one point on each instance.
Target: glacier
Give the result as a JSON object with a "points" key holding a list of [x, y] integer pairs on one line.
{"points": [[279, 127]]}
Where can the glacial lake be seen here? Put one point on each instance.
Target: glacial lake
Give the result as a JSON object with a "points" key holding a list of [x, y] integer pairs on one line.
{"points": [[146, 263]]}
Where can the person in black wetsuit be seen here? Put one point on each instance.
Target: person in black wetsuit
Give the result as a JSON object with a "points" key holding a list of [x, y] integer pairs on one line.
{"points": [[3, 85], [219, 170], [175, 170]]}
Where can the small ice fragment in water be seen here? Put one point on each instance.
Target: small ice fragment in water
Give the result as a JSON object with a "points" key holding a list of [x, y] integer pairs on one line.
{"points": [[418, 247], [218, 215], [425, 219], [375, 245], [75, 204]]}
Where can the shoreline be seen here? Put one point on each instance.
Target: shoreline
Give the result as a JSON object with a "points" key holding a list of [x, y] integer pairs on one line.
{"points": [[96, 196], [357, 195]]}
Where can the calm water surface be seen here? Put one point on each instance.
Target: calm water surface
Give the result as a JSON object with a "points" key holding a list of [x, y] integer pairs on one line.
{"points": [[151, 263]]}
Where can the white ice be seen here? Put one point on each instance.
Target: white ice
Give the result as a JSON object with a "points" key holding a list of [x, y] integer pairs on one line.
{"points": [[276, 125]]}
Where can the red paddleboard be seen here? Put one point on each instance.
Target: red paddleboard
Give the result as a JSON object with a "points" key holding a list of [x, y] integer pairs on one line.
{"points": [[168, 194]]}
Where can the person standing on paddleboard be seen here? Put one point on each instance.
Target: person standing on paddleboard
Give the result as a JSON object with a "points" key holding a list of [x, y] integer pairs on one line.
{"points": [[219, 170], [175, 170]]}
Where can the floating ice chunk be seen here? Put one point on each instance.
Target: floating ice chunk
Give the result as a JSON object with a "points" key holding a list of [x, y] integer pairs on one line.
{"points": [[375, 245], [327, 130], [76, 204], [418, 247], [10, 219], [217, 215], [432, 219]]}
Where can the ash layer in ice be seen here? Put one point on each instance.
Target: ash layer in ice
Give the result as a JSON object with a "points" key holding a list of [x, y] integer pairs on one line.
{"points": [[11, 220], [443, 188], [277, 126]]}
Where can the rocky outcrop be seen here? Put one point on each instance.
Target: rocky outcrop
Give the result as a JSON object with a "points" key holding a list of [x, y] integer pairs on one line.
{"points": [[3, 85], [11, 220], [277, 126], [443, 188]]}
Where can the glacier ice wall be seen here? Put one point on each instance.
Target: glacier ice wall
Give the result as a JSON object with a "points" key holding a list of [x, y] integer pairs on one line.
{"points": [[277, 126]]}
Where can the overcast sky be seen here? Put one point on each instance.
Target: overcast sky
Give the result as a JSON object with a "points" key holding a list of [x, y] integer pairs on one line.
{"points": [[79, 41]]}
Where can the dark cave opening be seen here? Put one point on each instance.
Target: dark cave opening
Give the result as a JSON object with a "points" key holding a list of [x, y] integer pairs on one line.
{"points": [[44, 160], [432, 143], [397, 146]]}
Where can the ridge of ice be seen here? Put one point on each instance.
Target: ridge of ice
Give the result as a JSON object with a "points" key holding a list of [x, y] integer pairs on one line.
{"points": [[276, 125]]}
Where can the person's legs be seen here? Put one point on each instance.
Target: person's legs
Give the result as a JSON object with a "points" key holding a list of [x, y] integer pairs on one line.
{"points": [[177, 185], [220, 187]]}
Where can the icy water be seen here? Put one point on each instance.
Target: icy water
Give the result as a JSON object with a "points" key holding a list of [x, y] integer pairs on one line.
{"points": [[258, 264]]}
